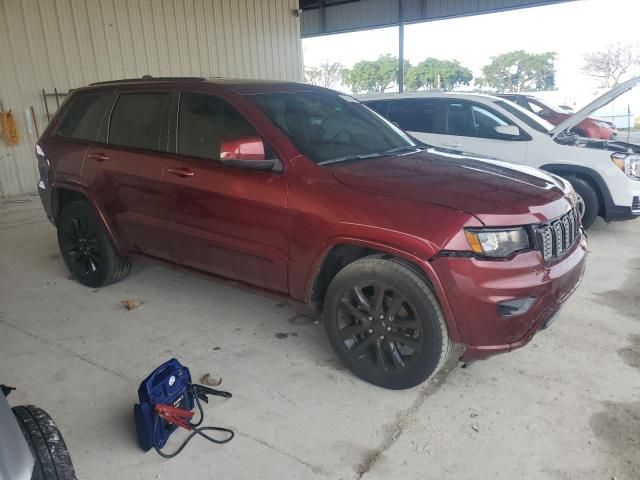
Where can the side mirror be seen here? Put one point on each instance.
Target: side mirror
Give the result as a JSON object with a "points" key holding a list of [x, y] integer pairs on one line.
{"points": [[246, 152], [545, 114], [508, 130]]}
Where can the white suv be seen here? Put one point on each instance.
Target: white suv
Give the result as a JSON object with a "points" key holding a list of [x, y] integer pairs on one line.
{"points": [[605, 174]]}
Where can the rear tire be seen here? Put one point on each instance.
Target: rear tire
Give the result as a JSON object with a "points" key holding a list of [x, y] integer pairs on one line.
{"points": [[50, 454], [86, 249], [385, 323], [588, 197]]}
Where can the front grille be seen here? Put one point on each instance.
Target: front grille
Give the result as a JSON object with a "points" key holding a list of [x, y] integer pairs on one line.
{"points": [[635, 206], [556, 237]]}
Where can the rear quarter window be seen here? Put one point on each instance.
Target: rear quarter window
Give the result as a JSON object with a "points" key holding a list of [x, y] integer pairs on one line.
{"points": [[84, 116]]}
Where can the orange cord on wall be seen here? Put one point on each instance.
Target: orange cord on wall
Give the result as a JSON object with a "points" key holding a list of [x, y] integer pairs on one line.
{"points": [[10, 133]]}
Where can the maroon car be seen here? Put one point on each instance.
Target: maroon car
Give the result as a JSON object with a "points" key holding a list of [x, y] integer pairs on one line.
{"points": [[307, 194], [589, 127]]}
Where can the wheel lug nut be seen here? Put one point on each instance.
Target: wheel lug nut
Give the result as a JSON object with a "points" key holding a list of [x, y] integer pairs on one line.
{"points": [[388, 329], [370, 318], [381, 337], [371, 330]]}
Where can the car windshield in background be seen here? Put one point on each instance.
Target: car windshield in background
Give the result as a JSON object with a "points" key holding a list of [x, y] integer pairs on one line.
{"points": [[532, 120], [330, 128]]}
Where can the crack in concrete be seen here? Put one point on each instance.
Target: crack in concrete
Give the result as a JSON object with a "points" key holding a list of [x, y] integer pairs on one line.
{"points": [[68, 352], [314, 468], [403, 418]]}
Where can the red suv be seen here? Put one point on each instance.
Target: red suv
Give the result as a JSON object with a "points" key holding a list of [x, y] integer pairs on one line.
{"points": [[306, 193]]}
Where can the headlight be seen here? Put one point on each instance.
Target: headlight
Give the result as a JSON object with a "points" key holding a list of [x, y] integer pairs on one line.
{"points": [[628, 163], [498, 243]]}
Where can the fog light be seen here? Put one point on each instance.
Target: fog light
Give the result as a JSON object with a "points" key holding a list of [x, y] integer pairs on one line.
{"points": [[517, 306]]}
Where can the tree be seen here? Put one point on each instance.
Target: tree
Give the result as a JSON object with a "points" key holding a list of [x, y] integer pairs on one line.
{"points": [[373, 75], [610, 65], [519, 71], [325, 75], [436, 74]]}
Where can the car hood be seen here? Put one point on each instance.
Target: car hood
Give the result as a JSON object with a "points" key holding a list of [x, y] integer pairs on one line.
{"points": [[599, 102], [497, 193]]}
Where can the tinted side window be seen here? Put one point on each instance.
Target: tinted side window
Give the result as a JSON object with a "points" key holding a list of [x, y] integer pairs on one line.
{"points": [[459, 120], [138, 119], [414, 115], [204, 122], [486, 120], [378, 107], [84, 116]]}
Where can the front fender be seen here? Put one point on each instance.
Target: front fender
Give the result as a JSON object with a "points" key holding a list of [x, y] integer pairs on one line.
{"points": [[418, 256]]}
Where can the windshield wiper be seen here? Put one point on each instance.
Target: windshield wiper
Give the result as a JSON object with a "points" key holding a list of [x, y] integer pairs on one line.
{"points": [[403, 149], [348, 158]]}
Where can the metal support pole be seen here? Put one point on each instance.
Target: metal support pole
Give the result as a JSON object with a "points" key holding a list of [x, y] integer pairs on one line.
{"points": [[400, 48]]}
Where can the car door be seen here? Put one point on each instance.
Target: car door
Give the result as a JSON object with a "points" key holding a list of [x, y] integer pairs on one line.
{"points": [[471, 127], [416, 116], [227, 220], [124, 170]]}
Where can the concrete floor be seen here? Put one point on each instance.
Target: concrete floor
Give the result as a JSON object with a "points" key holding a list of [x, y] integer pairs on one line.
{"points": [[565, 407]]}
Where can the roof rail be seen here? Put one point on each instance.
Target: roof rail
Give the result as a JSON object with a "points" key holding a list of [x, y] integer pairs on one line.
{"points": [[149, 78]]}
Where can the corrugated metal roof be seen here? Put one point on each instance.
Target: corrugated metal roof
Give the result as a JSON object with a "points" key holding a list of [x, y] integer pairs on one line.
{"points": [[65, 44], [348, 16]]}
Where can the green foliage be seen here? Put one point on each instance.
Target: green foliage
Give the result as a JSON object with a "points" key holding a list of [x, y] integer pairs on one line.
{"points": [[519, 71], [437, 74], [373, 75], [325, 75]]}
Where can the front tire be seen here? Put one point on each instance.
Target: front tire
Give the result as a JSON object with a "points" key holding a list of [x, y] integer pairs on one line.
{"points": [[86, 249], [50, 454], [587, 200], [385, 323]]}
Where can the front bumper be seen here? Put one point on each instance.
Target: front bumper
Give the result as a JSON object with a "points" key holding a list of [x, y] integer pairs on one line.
{"points": [[474, 287]]}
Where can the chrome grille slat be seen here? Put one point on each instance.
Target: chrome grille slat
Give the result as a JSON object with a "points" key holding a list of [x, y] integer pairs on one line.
{"points": [[557, 236]]}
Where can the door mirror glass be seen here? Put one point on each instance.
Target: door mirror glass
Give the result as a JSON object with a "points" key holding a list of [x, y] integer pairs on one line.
{"points": [[508, 130], [243, 148], [545, 113], [246, 152]]}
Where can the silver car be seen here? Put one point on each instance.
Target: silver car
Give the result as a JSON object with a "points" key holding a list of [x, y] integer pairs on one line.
{"points": [[32, 446]]}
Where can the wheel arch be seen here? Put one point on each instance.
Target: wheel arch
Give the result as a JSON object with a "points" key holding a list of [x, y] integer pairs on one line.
{"points": [[590, 176], [342, 251], [62, 194]]}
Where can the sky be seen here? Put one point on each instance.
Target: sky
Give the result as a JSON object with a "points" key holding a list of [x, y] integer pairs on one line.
{"points": [[570, 29]]}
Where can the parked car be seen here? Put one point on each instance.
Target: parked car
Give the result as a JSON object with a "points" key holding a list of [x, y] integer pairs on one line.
{"points": [[606, 175], [308, 194], [589, 127], [32, 445]]}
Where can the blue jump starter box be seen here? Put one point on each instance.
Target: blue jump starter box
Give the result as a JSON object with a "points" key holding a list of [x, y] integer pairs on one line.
{"points": [[169, 385]]}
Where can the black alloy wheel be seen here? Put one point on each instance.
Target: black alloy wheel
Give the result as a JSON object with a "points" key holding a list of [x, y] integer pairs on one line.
{"points": [[378, 325], [86, 249], [385, 323], [80, 243]]}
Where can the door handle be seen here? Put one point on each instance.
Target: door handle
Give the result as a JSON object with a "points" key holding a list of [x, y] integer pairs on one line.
{"points": [[180, 172], [452, 145], [100, 157]]}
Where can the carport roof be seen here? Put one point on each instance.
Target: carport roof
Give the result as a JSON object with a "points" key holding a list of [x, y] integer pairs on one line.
{"points": [[321, 17]]}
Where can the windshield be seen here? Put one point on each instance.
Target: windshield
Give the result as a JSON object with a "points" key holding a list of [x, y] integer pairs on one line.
{"points": [[549, 106], [329, 128], [532, 120]]}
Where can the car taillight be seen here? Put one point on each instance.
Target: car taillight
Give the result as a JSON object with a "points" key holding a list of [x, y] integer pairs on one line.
{"points": [[43, 165]]}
